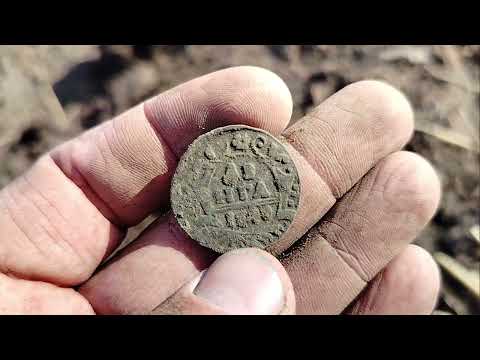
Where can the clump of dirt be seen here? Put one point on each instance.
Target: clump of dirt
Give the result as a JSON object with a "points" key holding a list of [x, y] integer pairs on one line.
{"points": [[49, 94]]}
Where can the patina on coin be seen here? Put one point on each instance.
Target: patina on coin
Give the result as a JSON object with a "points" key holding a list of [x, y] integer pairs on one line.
{"points": [[235, 187]]}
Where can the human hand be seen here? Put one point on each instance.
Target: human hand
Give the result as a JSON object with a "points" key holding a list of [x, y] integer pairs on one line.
{"points": [[363, 198]]}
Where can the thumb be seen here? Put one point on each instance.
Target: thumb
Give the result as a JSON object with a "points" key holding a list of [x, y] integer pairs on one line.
{"points": [[245, 281]]}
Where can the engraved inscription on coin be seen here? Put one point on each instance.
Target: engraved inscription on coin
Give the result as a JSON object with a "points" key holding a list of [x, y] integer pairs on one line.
{"points": [[235, 187]]}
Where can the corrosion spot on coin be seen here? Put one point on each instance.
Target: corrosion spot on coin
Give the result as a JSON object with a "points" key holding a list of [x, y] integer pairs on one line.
{"points": [[235, 187]]}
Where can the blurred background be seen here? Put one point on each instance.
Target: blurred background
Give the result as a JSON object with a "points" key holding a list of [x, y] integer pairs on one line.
{"points": [[50, 93]]}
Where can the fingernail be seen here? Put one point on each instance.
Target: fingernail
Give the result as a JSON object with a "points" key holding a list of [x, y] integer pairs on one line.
{"points": [[242, 282]]}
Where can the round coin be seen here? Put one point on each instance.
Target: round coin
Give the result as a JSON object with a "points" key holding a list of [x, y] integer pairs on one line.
{"points": [[235, 187]]}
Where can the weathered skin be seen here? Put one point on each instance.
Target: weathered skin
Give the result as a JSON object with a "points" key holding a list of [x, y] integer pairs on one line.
{"points": [[235, 187]]}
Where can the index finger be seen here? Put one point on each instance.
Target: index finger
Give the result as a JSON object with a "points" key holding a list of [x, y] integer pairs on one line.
{"points": [[61, 218], [127, 163]]}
